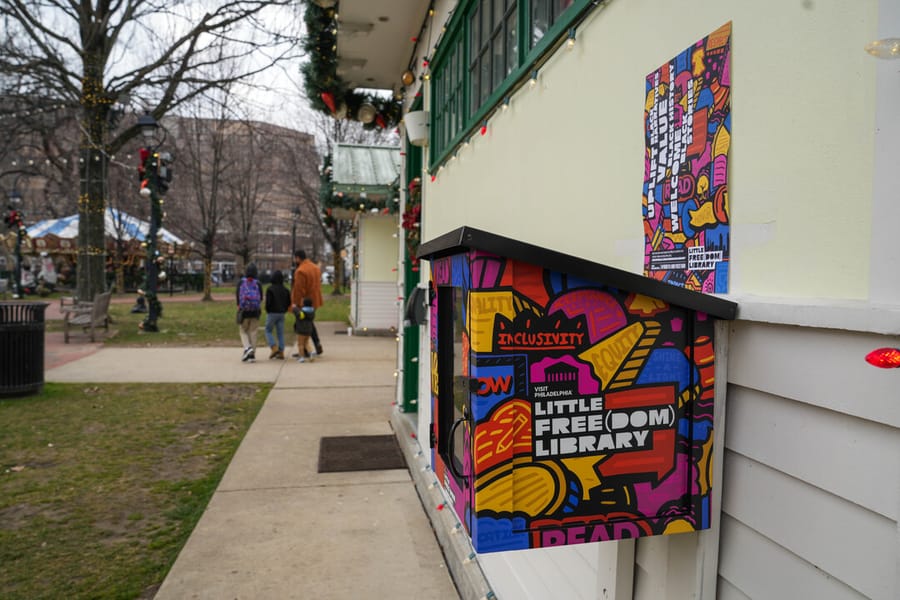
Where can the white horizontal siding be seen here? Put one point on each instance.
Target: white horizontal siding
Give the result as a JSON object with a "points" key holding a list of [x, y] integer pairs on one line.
{"points": [[758, 568], [851, 544], [811, 489], [824, 367], [824, 448], [376, 306]]}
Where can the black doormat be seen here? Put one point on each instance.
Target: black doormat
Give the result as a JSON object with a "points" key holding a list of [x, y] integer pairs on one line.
{"points": [[359, 453]]}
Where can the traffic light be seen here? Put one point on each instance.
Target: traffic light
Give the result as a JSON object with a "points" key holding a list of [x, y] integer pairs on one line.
{"points": [[155, 171], [164, 162], [143, 171]]}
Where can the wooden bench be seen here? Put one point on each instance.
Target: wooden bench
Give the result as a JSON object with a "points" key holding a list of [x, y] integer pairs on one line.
{"points": [[87, 315]]}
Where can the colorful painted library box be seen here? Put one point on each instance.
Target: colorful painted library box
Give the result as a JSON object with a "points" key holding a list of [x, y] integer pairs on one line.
{"points": [[572, 402]]}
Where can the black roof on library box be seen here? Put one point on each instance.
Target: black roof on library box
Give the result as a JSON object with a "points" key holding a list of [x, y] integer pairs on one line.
{"points": [[469, 238]]}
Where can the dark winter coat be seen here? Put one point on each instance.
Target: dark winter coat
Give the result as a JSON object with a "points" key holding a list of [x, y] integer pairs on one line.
{"points": [[278, 297]]}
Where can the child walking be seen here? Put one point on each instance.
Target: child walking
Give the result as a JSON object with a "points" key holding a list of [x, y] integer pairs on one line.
{"points": [[303, 327], [278, 300], [248, 296]]}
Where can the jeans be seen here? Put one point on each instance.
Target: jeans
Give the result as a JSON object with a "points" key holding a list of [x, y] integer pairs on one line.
{"points": [[276, 321]]}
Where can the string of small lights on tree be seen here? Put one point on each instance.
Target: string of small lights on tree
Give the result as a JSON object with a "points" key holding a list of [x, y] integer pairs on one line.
{"points": [[327, 91]]}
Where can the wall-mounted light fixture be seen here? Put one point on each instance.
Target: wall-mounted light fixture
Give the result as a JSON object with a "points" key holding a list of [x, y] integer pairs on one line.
{"points": [[884, 48]]}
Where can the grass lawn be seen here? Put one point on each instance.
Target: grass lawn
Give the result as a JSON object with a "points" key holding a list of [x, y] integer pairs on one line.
{"points": [[201, 323], [101, 485]]}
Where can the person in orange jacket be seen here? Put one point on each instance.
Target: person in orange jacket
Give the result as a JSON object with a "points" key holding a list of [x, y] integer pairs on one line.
{"points": [[307, 284]]}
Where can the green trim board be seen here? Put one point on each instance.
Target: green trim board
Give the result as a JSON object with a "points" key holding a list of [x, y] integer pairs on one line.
{"points": [[454, 117]]}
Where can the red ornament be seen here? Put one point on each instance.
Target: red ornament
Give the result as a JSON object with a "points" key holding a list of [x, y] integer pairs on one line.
{"points": [[328, 99]]}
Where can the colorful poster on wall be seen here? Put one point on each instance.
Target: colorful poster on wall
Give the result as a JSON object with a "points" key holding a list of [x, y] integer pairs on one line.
{"points": [[687, 129]]}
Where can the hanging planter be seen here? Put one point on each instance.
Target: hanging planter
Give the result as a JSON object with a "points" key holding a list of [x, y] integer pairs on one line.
{"points": [[417, 127]]}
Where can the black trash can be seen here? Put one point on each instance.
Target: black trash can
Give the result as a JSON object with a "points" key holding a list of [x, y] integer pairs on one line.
{"points": [[21, 348]]}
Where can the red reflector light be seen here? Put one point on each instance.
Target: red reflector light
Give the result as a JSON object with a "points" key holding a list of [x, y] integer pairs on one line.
{"points": [[884, 358]]}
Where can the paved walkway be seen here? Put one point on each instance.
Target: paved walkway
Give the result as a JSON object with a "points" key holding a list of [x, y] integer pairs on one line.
{"points": [[275, 527]]}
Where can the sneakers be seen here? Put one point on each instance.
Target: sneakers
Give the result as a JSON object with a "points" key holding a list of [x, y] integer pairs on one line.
{"points": [[302, 359], [249, 355], [312, 356]]}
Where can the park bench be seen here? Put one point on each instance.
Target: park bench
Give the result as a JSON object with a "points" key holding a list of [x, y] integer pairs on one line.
{"points": [[87, 315]]}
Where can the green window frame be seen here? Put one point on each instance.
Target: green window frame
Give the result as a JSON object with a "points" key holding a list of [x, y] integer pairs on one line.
{"points": [[482, 56]]}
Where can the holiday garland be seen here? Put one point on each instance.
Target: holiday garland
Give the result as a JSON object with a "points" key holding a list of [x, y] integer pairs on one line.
{"points": [[330, 199], [412, 218], [326, 90]]}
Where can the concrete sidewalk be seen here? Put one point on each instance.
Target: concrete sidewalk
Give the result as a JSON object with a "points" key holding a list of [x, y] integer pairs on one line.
{"points": [[275, 527]]}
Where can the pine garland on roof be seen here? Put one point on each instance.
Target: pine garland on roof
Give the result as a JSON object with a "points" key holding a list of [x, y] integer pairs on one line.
{"points": [[326, 90]]}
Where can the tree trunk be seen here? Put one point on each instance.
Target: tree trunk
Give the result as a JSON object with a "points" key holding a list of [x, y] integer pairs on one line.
{"points": [[338, 274], [207, 275], [91, 275]]}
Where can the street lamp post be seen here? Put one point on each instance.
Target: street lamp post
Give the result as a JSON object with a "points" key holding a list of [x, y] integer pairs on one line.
{"points": [[152, 186]]}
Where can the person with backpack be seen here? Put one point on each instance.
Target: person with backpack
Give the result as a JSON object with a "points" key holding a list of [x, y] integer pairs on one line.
{"points": [[278, 300], [249, 298]]}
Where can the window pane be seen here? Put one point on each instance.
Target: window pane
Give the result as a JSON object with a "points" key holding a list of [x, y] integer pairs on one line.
{"points": [[485, 77], [559, 6], [512, 42], [475, 91], [540, 20], [485, 22], [499, 60], [499, 9], [473, 36]]}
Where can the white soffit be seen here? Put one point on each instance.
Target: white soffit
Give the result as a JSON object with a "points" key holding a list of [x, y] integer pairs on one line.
{"points": [[375, 40]]}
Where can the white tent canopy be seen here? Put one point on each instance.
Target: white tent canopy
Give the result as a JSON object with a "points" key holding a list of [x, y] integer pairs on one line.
{"points": [[114, 221]]}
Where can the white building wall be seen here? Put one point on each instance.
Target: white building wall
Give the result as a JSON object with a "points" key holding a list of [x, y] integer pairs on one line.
{"points": [[563, 166], [375, 292], [811, 486]]}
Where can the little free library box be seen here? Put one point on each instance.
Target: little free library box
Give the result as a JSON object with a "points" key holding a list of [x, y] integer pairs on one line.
{"points": [[572, 402]]}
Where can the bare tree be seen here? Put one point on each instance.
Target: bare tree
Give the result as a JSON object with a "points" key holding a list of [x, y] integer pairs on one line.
{"points": [[87, 56], [246, 187], [204, 160]]}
